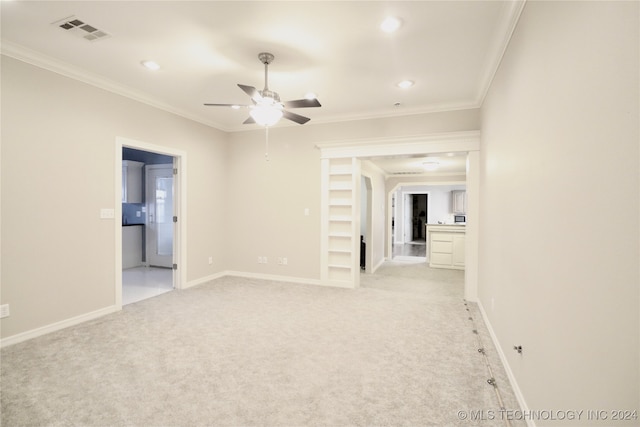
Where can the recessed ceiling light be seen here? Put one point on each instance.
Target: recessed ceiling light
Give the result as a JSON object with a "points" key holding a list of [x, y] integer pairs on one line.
{"points": [[150, 65], [311, 95], [390, 24], [405, 84], [430, 165]]}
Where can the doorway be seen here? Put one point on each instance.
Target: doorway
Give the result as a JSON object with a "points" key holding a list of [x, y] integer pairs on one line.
{"points": [[409, 237], [150, 244]]}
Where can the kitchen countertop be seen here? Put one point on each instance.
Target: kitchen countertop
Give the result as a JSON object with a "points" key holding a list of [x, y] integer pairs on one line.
{"points": [[452, 227]]}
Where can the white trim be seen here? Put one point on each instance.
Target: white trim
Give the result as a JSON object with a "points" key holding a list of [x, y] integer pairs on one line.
{"points": [[33, 333], [505, 363], [377, 266], [465, 141], [512, 11], [204, 279], [180, 201], [404, 145], [40, 60], [274, 277]]}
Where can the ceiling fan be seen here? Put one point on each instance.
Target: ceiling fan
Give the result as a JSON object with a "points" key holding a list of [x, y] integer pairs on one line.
{"points": [[267, 109]]}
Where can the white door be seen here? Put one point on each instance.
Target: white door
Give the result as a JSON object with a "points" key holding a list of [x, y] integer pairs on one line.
{"points": [[408, 218], [159, 231]]}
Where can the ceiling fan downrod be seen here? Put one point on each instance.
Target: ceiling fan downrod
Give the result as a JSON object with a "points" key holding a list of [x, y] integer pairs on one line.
{"points": [[266, 58]]}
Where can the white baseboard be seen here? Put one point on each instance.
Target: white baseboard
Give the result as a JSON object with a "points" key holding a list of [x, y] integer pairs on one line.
{"points": [[505, 363], [205, 279], [24, 336], [274, 277], [377, 266]]}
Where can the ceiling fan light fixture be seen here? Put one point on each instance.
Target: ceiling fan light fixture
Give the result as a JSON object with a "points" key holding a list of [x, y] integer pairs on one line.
{"points": [[431, 165], [266, 115]]}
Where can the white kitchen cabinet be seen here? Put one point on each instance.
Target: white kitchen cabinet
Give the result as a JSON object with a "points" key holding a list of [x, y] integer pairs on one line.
{"points": [[459, 202], [131, 181], [446, 246]]}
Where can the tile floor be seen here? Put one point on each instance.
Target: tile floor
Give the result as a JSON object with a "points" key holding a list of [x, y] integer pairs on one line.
{"points": [[140, 283], [413, 249]]}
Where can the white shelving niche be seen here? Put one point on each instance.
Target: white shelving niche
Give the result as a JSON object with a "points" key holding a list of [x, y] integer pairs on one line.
{"points": [[341, 180]]}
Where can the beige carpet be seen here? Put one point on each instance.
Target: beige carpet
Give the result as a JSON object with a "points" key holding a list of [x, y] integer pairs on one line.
{"points": [[239, 352]]}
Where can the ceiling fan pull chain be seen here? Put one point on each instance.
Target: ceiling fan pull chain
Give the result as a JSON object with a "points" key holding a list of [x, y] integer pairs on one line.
{"points": [[266, 143]]}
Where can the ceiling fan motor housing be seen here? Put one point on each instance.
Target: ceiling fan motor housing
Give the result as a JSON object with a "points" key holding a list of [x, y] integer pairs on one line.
{"points": [[270, 94], [265, 57]]}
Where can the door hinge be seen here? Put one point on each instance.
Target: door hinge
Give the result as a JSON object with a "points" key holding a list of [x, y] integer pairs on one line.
{"points": [[175, 171], [175, 219], [175, 266]]}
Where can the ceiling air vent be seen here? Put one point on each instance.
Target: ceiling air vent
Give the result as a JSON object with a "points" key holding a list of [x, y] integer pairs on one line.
{"points": [[80, 28]]}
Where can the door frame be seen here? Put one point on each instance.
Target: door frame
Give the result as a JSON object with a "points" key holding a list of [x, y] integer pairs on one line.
{"points": [[180, 210], [464, 141]]}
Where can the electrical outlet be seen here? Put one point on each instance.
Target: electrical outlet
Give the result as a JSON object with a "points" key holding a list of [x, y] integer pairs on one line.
{"points": [[259, 260], [107, 213], [284, 261], [210, 260], [4, 311]]}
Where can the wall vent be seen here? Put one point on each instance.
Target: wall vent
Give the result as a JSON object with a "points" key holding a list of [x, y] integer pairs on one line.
{"points": [[79, 28], [407, 173]]}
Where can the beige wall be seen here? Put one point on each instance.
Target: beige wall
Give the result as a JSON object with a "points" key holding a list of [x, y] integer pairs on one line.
{"points": [[559, 231], [58, 171], [266, 206], [375, 244]]}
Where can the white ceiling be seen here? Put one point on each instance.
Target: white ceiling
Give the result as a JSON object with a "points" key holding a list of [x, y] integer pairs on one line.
{"points": [[334, 48]]}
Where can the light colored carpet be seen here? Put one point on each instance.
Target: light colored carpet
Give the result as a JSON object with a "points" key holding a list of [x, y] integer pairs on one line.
{"points": [[240, 352]]}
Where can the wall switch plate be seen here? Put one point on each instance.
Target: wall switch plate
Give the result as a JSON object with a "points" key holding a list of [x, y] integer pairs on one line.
{"points": [[138, 214], [284, 261], [4, 311], [210, 260], [306, 211]]}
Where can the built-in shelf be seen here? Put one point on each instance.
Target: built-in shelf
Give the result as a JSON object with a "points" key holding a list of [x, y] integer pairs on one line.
{"points": [[340, 183]]}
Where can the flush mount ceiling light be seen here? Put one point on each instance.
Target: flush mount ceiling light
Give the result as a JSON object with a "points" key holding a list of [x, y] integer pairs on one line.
{"points": [[150, 65], [391, 24], [405, 84], [430, 165]]}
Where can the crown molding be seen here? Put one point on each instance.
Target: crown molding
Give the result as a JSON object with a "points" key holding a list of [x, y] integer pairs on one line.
{"points": [[405, 145], [511, 15], [40, 60]]}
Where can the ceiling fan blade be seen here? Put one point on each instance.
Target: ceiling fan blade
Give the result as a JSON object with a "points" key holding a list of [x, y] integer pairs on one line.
{"points": [[226, 105], [302, 103], [248, 121], [251, 91], [295, 117]]}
